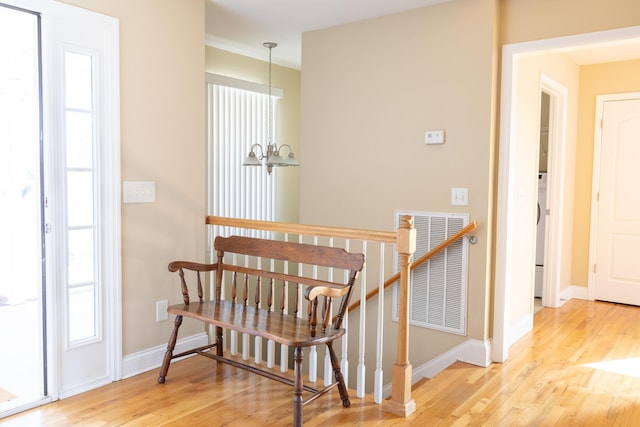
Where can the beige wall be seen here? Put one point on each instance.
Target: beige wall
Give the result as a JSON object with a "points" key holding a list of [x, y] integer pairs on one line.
{"points": [[244, 68], [162, 140], [526, 20], [369, 92], [599, 79]]}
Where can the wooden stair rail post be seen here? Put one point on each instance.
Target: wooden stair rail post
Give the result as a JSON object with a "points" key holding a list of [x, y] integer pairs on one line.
{"points": [[401, 402]]}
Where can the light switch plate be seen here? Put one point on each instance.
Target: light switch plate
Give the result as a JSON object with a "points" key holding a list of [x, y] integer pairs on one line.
{"points": [[460, 196], [138, 192], [434, 137]]}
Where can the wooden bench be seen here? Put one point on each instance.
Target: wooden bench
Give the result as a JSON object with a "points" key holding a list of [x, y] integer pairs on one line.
{"points": [[246, 311]]}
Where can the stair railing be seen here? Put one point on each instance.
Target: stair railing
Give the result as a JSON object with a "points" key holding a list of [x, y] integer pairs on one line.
{"points": [[404, 240]]}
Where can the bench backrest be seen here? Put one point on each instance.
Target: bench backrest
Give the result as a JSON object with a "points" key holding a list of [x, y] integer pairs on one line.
{"points": [[245, 277]]}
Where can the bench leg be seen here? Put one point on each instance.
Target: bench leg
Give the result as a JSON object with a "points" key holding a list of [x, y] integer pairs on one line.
{"points": [[335, 363], [170, 346], [298, 357], [219, 345]]}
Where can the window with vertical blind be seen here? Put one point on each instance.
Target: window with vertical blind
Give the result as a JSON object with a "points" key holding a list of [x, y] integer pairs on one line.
{"points": [[237, 118]]}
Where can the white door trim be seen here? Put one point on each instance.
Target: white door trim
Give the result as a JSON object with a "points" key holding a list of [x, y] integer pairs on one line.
{"points": [[505, 235], [595, 183]]}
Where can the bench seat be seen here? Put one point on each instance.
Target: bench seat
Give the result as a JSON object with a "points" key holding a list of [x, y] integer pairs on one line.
{"points": [[281, 328]]}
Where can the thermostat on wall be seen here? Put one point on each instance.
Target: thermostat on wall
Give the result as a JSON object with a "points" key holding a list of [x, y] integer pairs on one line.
{"points": [[434, 137]]}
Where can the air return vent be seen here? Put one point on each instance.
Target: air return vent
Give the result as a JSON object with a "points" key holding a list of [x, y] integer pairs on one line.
{"points": [[438, 288]]}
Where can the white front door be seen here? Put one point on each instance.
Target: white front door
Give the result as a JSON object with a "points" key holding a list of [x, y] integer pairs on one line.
{"points": [[22, 358], [616, 271], [83, 208], [78, 152]]}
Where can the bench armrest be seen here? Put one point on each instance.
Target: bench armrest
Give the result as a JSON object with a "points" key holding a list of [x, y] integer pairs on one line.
{"points": [[312, 292], [188, 265], [180, 266]]}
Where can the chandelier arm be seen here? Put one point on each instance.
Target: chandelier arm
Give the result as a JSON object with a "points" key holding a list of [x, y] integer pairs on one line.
{"points": [[261, 156]]}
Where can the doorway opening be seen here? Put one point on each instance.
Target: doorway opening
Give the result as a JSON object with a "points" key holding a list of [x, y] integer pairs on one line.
{"points": [[543, 154], [513, 191]]}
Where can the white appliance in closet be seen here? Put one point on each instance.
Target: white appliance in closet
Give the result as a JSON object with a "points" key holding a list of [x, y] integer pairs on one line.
{"points": [[542, 215]]}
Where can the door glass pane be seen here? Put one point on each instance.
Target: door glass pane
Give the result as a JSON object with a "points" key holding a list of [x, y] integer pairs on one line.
{"points": [[82, 313], [80, 198], [79, 137], [82, 288], [21, 257], [80, 256], [78, 81]]}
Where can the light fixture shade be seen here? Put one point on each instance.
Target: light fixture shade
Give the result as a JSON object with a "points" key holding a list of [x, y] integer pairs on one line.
{"points": [[275, 160], [291, 160], [252, 160]]}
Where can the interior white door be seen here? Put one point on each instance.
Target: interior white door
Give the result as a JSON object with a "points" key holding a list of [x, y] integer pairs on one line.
{"points": [[616, 269]]}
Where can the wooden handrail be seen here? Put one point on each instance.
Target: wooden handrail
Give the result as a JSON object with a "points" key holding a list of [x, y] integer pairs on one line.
{"points": [[313, 230], [424, 258]]}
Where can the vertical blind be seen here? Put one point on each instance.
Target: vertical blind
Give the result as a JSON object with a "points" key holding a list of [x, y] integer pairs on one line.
{"points": [[237, 118]]}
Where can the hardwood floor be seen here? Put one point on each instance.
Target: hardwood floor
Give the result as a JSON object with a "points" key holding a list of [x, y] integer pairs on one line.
{"points": [[580, 366]]}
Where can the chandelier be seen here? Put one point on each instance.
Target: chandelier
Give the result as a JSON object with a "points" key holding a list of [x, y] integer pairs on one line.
{"points": [[270, 156]]}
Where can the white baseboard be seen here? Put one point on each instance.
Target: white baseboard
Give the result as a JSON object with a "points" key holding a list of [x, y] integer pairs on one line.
{"points": [[577, 292], [520, 329], [471, 351], [151, 358]]}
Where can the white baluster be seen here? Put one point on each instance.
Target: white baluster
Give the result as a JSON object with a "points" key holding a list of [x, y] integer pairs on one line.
{"points": [[344, 360], [328, 369], [257, 350], [284, 350], [271, 345], [313, 351], [377, 388], [233, 335], [360, 386], [245, 346], [284, 358], [233, 343]]}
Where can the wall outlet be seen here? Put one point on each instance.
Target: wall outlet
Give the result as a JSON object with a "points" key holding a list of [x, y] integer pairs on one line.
{"points": [[161, 310]]}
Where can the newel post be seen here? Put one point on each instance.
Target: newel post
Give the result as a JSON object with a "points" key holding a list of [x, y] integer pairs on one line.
{"points": [[401, 402]]}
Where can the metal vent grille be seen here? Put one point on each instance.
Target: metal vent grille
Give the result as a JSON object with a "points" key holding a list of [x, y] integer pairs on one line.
{"points": [[438, 288]]}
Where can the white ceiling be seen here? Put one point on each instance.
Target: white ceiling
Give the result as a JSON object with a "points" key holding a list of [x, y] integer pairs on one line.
{"points": [[242, 26]]}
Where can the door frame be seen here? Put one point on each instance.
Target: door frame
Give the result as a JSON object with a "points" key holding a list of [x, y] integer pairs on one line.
{"points": [[506, 235], [595, 183]]}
